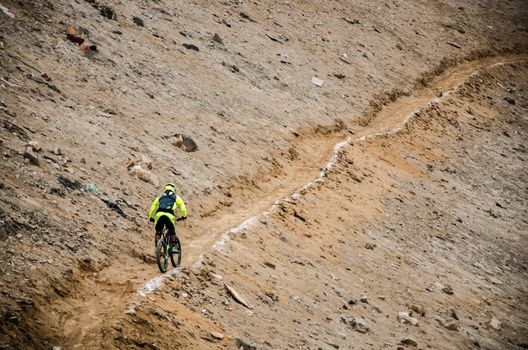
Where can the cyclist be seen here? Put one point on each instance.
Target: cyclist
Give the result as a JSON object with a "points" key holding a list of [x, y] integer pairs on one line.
{"points": [[162, 214]]}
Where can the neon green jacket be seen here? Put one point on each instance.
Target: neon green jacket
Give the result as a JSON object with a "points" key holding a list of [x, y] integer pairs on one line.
{"points": [[177, 204]]}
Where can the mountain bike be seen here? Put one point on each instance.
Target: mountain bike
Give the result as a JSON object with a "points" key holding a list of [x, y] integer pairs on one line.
{"points": [[164, 253]]}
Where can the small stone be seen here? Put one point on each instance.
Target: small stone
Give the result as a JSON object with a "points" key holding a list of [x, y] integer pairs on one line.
{"points": [[404, 317], [376, 308], [419, 309], [370, 246], [409, 342], [176, 141], [34, 145], [364, 299], [359, 324], [138, 21], [191, 47], [143, 175], [450, 325], [509, 100], [31, 156], [448, 289], [57, 151], [217, 38], [352, 302], [242, 344], [495, 324], [270, 265], [495, 281], [108, 12], [317, 82], [454, 314], [217, 335]]}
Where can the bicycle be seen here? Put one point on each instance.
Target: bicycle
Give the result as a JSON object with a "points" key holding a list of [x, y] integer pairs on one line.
{"points": [[164, 253]]}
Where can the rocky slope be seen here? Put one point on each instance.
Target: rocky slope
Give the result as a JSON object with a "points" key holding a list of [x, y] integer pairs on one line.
{"points": [[106, 129]]}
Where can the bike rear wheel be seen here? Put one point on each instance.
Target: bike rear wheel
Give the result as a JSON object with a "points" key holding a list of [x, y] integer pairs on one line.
{"points": [[162, 255]]}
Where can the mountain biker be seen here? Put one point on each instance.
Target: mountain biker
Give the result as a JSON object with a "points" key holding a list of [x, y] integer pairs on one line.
{"points": [[162, 213]]}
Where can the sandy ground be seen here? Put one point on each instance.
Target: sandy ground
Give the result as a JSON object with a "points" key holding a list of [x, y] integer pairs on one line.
{"points": [[420, 209]]}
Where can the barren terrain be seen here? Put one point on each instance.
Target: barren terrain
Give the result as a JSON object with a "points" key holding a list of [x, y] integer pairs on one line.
{"points": [[385, 208]]}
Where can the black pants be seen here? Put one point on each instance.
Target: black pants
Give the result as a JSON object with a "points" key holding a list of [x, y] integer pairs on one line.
{"points": [[165, 221]]}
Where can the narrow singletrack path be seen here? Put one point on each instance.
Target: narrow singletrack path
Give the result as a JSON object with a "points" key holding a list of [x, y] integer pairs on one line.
{"points": [[117, 291]]}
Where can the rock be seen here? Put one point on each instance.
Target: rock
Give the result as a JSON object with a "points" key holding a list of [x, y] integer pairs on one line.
{"points": [[57, 151], [114, 206], [108, 12], [409, 342], [92, 188], [212, 336], [495, 324], [7, 228], [419, 309], [495, 281], [364, 299], [351, 20], [509, 100], [217, 335], [270, 265], [33, 158], [176, 141], [450, 325], [376, 308], [238, 297], [218, 39], [317, 82], [359, 324], [241, 344], [138, 21], [454, 314], [191, 47], [73, 185], [404, 317], [144, 175], [185, 142], [352, 302], [34, 146], [457, 45], [370, 246], [447, 289], [246, 16], [57, 348]]}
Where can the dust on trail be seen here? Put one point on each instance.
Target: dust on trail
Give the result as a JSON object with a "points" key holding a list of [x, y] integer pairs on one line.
{"points": [[391, 119], [119, 291]]}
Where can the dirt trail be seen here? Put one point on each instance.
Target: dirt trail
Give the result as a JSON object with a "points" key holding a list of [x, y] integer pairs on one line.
{"points": [[125, 284], [389, 120]]}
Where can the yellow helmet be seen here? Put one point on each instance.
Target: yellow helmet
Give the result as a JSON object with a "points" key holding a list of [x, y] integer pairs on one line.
{"points": [[170, 187]]}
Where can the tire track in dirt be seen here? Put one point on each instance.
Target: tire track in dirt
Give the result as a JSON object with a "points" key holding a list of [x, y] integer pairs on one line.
{"points": [[215, 231]]}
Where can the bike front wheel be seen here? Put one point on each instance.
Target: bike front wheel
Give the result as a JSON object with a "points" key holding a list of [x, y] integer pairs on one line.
{"points": [[162, 255], [176, 257]]}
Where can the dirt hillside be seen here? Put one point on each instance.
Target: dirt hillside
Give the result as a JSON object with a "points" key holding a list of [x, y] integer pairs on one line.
{"points": [[356, 171]]}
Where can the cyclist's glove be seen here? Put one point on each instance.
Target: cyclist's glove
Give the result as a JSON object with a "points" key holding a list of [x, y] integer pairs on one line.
{"points": [[151, 219]]}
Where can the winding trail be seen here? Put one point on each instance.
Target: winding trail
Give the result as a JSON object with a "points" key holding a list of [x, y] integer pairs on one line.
{"points": [[301, 176], [390, 120]]}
